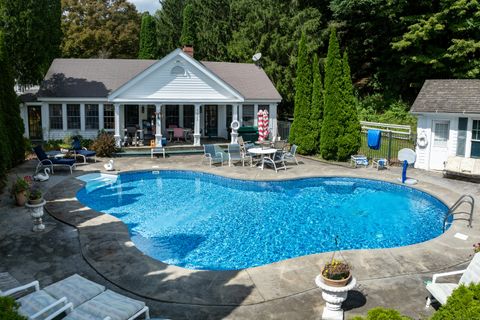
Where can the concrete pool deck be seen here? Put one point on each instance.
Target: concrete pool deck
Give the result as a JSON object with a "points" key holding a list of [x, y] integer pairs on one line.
{"points": [[387, 277]]}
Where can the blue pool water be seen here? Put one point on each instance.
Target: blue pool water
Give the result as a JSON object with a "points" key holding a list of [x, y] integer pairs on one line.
{"points": [[203, 221]]}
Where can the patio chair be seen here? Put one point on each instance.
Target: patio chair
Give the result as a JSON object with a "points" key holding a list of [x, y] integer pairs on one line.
{"points": [[82, 152], [213, 154], [441, 291], [235, 155], [277, 161], [292, 154], [245, 145], [178, 133], [44, 160], [279, 144], [380, 163], [359, 160], [110, 305]]}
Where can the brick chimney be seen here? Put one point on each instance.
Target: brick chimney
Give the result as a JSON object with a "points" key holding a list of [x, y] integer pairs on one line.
{"points": [[188, 50]]}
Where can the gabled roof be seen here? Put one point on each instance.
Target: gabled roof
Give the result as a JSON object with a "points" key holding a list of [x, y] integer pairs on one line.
{"points": [[448, 96], [98, 78], [248, 79]]}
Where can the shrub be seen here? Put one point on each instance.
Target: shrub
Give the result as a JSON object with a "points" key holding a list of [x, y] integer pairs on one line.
{"points": [[8, 309], [382, 314], [463, 304], [104, 145]]}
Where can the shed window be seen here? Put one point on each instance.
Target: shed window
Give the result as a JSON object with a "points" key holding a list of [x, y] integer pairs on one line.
{"points": [[475, 153], [73, 116], [462, 136], [56, 117], [91, 116]]}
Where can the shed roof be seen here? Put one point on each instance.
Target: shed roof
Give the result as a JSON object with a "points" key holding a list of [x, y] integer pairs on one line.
{"points": [[97, 78], [448, 96]]}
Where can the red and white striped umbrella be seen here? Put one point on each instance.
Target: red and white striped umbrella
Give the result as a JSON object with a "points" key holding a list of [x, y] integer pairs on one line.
{"points": [[260, 125], [266, 130]]}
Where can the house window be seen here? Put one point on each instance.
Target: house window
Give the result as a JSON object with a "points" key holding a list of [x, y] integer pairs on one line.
{"points": [[441, 134], [108, 116], [475, 153], [73, 116], [91, 116], [55, 115], [462, 136], [177, 71], [188, 116], [171, 116], [248, 115]]}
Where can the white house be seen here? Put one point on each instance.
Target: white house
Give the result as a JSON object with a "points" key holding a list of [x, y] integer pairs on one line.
{"points": [[82, 96], [448, 114]]}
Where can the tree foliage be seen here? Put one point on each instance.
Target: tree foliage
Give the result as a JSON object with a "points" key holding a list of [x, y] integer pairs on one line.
{"points": [[188, 27], [316, 114], [32, 36], [148, 37], [102, 29], [169, 18], [301, 131], [463, 303]]}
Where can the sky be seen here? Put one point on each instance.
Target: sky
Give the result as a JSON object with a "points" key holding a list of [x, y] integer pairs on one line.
{"points": [[146, 5]]}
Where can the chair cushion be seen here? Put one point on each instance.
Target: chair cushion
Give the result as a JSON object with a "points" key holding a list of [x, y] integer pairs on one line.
{"points": [[36, 301], [441, 291], [76, 288], [86, 153], [109, 303], [41, 155], [67, 162]]}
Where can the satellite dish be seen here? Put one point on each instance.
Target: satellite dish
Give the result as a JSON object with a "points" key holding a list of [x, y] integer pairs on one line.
{"points": [[256, 56]]}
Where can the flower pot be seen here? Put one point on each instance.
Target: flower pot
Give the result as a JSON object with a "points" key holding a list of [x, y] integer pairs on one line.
{"points": [[336, 283], [21, 198], [35, 201]]}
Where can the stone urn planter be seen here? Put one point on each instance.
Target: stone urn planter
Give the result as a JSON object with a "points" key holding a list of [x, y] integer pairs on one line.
{"points": [[334, 296], [36, 211]]}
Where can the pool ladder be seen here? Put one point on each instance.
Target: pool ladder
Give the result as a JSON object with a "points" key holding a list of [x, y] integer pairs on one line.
{"points": [[466, 198]]}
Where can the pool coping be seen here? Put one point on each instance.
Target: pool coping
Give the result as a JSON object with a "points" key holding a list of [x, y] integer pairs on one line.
{"points": [[107, 247]]}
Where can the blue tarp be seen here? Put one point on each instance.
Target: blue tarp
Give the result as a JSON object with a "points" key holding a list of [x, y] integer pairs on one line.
{"points": [[374, 138]]}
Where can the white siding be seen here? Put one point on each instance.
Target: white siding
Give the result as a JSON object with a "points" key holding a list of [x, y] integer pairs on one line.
{"points": [[424, 128], [161, 85]]}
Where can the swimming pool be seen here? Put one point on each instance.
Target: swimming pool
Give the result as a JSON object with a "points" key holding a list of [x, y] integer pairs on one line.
{"points": [[203, 221]]}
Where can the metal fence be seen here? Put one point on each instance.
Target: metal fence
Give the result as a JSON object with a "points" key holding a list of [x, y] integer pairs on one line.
{"points": [[283, 128], [394, 138]]}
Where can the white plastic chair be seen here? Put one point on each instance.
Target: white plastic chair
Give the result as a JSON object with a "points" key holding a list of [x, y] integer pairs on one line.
{"points": [[441, 291]]}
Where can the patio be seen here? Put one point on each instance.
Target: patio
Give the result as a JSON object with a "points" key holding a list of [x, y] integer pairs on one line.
{"points": [[101, 251]]}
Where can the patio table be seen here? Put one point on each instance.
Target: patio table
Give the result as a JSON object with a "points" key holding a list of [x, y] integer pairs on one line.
{"points": [[262, 152], [187, 133]]}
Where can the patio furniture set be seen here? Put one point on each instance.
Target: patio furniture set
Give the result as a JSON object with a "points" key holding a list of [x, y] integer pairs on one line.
{"points": [[273, 154], [74, 298]]}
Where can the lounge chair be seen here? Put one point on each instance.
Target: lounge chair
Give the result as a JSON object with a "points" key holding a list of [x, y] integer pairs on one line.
{"points": [[46, 161], [379, 163], [462, 167], [277, 161], [235, 155], [291, 155], [82, 152], [359, 160], [213, 154], [441, 291]]}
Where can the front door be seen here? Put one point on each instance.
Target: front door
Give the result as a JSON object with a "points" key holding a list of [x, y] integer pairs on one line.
{"points": [[131, 115], [35, 122], [439, 150], [211, 121]]}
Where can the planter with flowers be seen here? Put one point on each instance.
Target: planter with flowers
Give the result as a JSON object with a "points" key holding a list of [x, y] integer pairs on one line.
{"points": [[20, 190], [35, 196], [335, 280], [35, 207]]}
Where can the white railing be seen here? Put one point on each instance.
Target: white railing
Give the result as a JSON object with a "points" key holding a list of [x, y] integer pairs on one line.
{"points": [[387, 127]]}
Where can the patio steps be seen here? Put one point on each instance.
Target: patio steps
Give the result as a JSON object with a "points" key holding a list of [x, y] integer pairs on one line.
{"points": [[169, 150]]}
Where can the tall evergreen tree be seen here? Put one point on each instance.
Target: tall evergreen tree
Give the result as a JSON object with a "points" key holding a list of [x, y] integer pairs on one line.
{"points": [[349, 141], [332, 127], [317, 104], [300, 132], [169, 18], [188, 27], [148, 37], [32, 36]]}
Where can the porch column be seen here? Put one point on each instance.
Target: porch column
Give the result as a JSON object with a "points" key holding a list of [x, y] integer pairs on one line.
{"points": [[180, 116], [255, 117], [234, 135], [118, 138], [158, 124], [196, 127], [45, 121], [240, 114], [273, 120], [64, 116], [82, 117], [101, 123]]}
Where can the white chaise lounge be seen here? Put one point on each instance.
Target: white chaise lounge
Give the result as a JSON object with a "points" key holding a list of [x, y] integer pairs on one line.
{"points": [[462, 167], [441, 291]]}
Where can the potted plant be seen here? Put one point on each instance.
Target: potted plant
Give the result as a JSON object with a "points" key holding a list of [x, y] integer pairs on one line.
{"points": [[35, 196], [336, 273], [20, 189]]}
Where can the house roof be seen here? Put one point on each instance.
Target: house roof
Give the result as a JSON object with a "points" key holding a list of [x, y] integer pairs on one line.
{"points": [[448, 96], [97, 78]]}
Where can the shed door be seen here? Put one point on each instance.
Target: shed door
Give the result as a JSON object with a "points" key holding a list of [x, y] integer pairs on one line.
{"points": [[439, 151]]}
